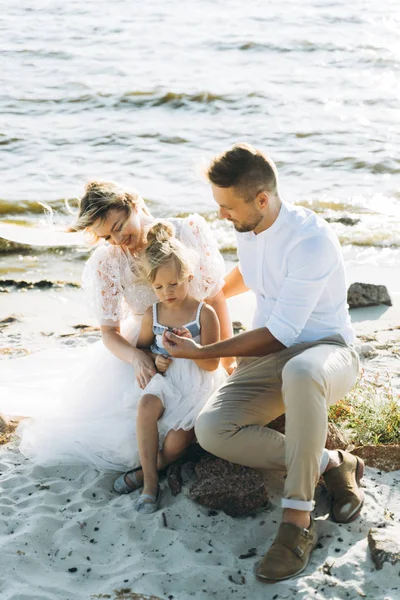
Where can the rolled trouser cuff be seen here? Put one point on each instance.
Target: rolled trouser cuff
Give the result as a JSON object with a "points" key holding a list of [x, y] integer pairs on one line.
{"points": [[324, 461], [298, 504]]}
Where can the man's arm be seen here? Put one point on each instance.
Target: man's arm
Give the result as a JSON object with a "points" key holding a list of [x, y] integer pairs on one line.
{"points": [[257, 342]]}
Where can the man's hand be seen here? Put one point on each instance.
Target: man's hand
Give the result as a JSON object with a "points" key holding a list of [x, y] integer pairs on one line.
{"points": [[180, 346], [162, 363]]}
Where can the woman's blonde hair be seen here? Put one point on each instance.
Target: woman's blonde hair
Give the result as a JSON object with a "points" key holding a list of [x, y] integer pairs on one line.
{"points": [[99, 199], [162, 248]]}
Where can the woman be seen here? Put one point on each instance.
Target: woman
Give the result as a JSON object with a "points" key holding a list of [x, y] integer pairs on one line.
{"points": [[79, 398]]}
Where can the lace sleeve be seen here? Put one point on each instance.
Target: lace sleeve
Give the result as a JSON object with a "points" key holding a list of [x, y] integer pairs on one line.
{"points": [[103, 287], [210, 270]]}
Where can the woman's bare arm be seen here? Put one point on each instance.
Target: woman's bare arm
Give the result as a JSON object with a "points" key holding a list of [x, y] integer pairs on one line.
{"points": [[142, 363]]}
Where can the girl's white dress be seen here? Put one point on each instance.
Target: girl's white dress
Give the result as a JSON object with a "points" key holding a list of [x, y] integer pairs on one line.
{"points": [[82, 401], [184, 388]]}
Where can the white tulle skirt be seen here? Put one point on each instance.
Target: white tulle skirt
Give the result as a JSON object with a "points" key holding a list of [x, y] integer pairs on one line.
{"points": [[80, 404]]}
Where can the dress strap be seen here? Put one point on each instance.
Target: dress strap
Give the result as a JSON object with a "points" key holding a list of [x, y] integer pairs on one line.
{"points": [[157, 328], [155, 314]]}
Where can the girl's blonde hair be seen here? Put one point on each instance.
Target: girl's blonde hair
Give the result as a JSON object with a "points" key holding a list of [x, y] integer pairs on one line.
{"points": [[99, 199], [162, 248]]}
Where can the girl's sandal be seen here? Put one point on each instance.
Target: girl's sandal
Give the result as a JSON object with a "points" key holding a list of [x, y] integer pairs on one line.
{"points": [[148, 503], [128, 482]]}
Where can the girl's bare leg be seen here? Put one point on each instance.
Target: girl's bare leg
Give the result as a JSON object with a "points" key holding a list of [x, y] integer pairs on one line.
{"points": [[175, 445], [150, 409]]}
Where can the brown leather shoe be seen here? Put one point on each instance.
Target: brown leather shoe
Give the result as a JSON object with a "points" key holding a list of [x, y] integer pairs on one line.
{"points": [[289, 553], [343, 483]]}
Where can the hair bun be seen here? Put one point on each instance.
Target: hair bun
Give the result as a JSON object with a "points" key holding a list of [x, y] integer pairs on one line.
{"points": [[160, 232], [93, 186]]}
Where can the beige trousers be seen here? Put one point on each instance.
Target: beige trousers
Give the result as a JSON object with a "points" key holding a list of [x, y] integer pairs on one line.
{"points": [[301, 381]]}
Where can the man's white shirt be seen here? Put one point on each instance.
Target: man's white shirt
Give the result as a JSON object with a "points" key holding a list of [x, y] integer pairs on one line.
{"points": [[296, 270]]}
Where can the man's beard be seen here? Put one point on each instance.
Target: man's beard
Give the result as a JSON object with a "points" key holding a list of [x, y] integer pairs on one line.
{"points": [[250, 225]]}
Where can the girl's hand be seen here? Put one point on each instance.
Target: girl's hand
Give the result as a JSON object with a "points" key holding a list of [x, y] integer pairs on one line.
{"points": [[183, 332], [162, 363], [180, 346], [144, 368]]}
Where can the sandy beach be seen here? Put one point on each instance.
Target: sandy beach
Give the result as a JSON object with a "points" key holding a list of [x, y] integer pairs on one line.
{"points": [[65, 535]]}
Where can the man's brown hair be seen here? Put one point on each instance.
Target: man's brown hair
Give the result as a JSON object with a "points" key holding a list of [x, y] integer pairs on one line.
{"points": [[246, 169]]}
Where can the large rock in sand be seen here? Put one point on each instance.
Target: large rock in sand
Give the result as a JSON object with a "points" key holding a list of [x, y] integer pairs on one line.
{"points": [[367, 294], [385, 458], [222, 485], [335, 439], [384, 544]]}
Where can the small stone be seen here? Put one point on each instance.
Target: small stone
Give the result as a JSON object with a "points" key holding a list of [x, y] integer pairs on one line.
{"points": [[384, 545], [73, 570]]}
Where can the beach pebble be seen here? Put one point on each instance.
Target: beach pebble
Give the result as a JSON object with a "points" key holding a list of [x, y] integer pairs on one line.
{"points": [[366, 350], [384, 545]]}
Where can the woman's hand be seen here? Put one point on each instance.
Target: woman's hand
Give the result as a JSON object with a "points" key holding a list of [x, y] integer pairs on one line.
{"points": [[162, 363], [180, 346], [144, 367]]}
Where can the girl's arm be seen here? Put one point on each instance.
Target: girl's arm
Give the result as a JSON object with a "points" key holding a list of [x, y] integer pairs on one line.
{"points": [[146, 335], [218, 303], [146, 338], [209, 334]]}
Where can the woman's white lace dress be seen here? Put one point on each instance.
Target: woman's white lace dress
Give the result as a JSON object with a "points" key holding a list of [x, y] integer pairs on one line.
{"points": [[80, 400]]}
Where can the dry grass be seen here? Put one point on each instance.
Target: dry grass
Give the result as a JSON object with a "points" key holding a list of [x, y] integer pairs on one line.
{"points": [[370, 413], [7, 430]]}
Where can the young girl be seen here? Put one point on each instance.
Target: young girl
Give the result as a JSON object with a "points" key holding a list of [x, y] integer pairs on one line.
{"points": [[176, 394]]}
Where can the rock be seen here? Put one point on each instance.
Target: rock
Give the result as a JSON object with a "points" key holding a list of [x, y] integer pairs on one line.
{"points": [[237, 327], [278, 424], [9, 320], [385, 458], [3, 426], [384, 544], [366, 351], [367, 294], [349, 221], [335, 439], [222, 485], [174, 478]]}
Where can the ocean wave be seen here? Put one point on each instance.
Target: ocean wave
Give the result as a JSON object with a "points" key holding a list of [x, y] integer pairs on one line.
{"points": [[137, 98], [30, 207], [389, 165], [42, 284]]}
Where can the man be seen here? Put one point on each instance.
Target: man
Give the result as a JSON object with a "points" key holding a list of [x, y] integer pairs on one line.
{"points": [[292, 261]]}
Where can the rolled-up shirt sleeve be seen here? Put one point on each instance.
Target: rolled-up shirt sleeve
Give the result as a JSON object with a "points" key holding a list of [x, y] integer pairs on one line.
{"points": [[310, 263]]}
